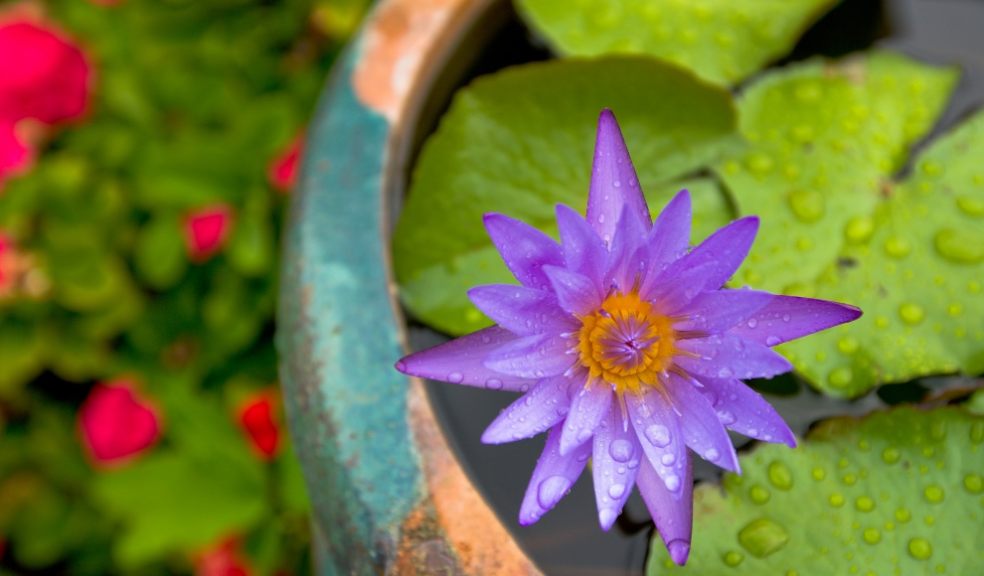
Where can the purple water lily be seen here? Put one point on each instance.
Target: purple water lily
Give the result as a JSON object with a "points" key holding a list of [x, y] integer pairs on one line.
{"points": [[627, 348]]}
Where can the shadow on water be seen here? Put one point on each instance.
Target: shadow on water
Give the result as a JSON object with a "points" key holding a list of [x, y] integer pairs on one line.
{"points": [[567, 541]]}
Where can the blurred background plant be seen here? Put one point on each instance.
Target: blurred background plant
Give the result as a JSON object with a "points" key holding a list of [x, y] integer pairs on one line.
{"points": [[146, 151]]}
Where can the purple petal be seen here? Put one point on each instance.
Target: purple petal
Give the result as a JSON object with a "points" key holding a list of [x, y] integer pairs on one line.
{"points": [[675, 289], [726, 249], [589, 407], [717, 311], [539, 409], [670, 235], [462, 361], [552, 478], [629, 254], [534, 357], [524, 249], [583, 250], [577, 294], [727, 356], [745, 411], [699, 423], [658, 430], [789, 317], [521, 310], [671, 511], [614, 184], [614, 462]]}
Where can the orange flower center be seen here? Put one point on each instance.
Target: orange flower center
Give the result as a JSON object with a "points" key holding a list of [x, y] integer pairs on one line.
{"points": [[626, 343]]}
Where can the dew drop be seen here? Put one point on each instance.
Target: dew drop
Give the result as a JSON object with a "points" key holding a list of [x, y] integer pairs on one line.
{"points": [[971, 206], [818, 474], [864, 504], [752, 323], [780, 476], [759, 495], [959, 247], [840, 377], [836, 499], [616, 491], [759, 163], [897, 247], [973, 483], [934, 494], [772, 340], [911, 314], [903, 515], [920, 548], [725, 373], [621, 450], [890, 455], [807, 205], [848, 345], [977, 432], [712, 455], [552, 490], [672, 482], [762, 537], [658, 435], [456, 377], [667, 459], [733, 558], [872, 536], [859, 229], [726, 417]]}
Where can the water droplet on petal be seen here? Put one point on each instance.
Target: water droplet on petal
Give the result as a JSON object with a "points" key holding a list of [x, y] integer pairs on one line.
{"points": [[658, 435], [672, 482], [752, 323], [616, 491], [726, 417], [552, 490], [772, 341], [712, 455], [667, 459], [621, 450], [456, 377]]}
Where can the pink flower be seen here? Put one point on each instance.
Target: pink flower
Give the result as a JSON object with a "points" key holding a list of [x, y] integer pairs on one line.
{"points": [[222, 559], [116, 423], [256, 419], [207, 230], [283, 170], [42, 75]]}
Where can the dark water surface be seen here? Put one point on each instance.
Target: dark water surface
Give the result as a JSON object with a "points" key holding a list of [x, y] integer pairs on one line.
{"points": [[567, 541]]}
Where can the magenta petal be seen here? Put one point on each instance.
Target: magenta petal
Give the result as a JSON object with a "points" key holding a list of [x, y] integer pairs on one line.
{"points": [[589, 407], [537, 410], [614, 461], [524, 249], [745, 411], [462, 361], [670, 236], [583, 250], [673, 512], [535, 357], [726, 249], [552, 478], [614, 184], [719, 310], [576, 294], [658, 429], [789, 317], [699, 423], [674, 290], [15, 155], [521, 310], [728, 356]]}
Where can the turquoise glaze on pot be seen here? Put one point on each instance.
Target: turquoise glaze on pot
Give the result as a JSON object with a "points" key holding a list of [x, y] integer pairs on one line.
{"points": [[387, 492]]}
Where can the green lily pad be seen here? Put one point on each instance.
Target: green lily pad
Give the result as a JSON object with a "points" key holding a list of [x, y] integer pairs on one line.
{"points": [[825, 142], [721, 40], [896, 492], [521, 141]]}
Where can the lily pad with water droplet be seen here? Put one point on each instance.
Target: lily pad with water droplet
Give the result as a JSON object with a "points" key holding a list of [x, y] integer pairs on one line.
{"points": [[520, 142], [896, 492], [721, 40], [836, 226]]}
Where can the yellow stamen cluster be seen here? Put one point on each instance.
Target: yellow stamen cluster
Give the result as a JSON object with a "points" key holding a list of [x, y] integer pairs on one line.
{"points": [[626, 343]]}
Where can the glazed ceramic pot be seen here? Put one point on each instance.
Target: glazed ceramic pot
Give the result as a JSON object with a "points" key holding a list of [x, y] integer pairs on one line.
{"points": [[388, 494]]}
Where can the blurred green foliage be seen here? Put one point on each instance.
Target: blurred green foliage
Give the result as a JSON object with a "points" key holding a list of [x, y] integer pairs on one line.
{"points": [[191, 103]]}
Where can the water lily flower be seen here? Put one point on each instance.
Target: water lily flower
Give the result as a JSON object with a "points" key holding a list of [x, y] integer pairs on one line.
{"points": [[627, 347], [117, 423]]}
